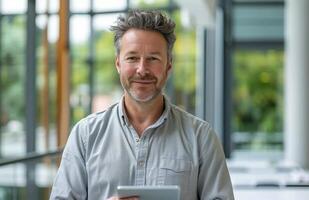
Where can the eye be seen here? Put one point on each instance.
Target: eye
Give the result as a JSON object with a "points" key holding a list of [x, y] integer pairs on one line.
{"points": [[152, 58], [132, 58]]}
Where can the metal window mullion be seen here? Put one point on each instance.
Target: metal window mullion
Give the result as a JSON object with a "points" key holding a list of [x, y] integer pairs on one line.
{"points": [[0, 80], [128, 4], [200, 107], [170, 89], [91, 58], [30, 94], [30, 91], [219, 73], [227, 77]]}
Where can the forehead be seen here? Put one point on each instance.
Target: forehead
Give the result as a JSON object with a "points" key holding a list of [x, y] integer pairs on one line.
{"points": [[142, 40]]}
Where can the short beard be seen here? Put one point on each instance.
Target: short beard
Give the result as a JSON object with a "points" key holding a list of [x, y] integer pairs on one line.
{"points": [[143, 100], [157, 92]]}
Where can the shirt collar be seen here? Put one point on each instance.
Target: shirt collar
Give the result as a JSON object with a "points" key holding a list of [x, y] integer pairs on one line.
{"points": [[122, 113], [162, 118]]}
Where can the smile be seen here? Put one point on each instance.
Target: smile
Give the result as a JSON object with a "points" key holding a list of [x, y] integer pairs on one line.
{"points": [[144, 81]]}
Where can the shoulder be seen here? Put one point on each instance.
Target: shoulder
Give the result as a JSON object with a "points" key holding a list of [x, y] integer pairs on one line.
{"points": [[88, 129], [97, 118], [93, 122], [203, 133], [189, 119]]}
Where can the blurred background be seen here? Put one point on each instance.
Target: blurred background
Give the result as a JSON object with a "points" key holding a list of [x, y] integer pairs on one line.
{"points": [[239, 64]]}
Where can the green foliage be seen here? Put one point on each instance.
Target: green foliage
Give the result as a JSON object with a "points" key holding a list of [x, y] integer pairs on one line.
{"points": [[185, 61], [149, 3], [79, 80], [13, 68], [257, 94], [184, 65], [106, 77], [80, 70]]}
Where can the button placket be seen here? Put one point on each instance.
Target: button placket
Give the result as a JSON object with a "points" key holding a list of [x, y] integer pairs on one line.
{"points": [[141, 161]]}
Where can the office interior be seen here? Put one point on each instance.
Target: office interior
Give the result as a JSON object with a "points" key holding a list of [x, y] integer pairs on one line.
{"points": [[242, 65]]}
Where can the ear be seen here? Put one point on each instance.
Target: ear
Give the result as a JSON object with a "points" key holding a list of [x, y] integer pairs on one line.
{"points": [[117, 64], [169, 68]]}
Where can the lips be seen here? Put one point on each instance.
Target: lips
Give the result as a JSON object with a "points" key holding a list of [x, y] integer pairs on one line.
{"points": [[144, 81]]}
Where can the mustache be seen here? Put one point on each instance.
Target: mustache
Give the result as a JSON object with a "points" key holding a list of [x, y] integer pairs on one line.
{"points": [[143, 78]]}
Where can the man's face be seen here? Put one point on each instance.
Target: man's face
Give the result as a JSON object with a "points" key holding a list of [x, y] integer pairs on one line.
{"points": [[142, 64]]}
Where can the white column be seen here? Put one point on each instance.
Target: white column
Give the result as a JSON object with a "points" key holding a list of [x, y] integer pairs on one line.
{"points": [[296, 126]]}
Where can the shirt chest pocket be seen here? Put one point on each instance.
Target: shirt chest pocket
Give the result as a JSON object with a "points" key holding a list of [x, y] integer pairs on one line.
{"points": [[173, 172], [175, 167]]}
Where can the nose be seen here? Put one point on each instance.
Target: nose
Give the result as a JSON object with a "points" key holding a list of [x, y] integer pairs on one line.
{"points": [[142, 68]]}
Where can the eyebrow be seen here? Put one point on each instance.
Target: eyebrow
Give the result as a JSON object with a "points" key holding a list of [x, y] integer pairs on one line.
{"points": [[135, 52], [155, 53], [131, 52]]}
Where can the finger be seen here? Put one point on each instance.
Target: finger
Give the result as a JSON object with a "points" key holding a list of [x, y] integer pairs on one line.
{"points": [[130, 198], [113, 198]]}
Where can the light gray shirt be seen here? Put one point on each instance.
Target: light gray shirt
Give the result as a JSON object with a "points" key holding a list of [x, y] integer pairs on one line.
{"points": [[104, 151]]}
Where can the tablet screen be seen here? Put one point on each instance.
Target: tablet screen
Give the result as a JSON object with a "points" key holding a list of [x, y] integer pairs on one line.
{"points": [[164, 192]]}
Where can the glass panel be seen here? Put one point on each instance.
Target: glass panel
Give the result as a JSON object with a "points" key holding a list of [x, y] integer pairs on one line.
{"points": [[79, 29], [257, 120], [12, 81], [13, 6], [47, 5], [80, 5], [13, 182], [258, 22], [106, 5], [184, 67], [107, 88], [41, 6], [46, 84], [53, 6], [148, 3], [79, 43], [53, 28]]}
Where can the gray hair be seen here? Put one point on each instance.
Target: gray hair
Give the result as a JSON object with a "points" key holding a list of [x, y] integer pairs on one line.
{"points": [[145, 20]]}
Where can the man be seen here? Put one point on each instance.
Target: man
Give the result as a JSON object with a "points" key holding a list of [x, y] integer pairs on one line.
{"points": [[144, 139]]}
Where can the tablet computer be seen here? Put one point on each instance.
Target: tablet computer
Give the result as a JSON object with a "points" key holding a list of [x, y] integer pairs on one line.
{"points": [[164, 192]]}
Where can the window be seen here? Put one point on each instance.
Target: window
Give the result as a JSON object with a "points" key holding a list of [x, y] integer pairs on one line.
{"points": [[12, 81], [257, 74], [94, 82], [257, 100]]}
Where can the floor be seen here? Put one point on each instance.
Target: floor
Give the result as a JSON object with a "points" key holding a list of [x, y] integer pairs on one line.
{"points": [[265, 180]]}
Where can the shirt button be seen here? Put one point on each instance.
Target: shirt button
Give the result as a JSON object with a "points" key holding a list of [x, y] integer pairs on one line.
{"points": [[141, 163], [137, 140]]}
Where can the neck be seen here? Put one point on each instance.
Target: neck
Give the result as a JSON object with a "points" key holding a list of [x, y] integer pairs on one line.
{"points": [[142, 115]]}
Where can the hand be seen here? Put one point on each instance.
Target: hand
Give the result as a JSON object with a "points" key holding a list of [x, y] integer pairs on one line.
{"points": [[124, 198]]}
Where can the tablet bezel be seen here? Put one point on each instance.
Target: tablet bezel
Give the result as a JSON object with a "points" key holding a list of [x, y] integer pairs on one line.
{"points": [[163, 192]]}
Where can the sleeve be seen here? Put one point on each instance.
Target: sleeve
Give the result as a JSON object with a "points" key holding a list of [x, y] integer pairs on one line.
{"points": [[71, 179], [214, 180]]}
